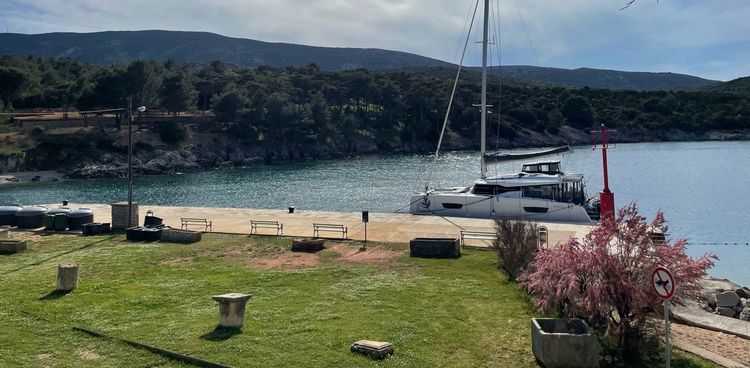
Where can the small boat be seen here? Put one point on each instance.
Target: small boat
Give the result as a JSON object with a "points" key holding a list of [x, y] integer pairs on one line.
{"points": [[499, 157]]}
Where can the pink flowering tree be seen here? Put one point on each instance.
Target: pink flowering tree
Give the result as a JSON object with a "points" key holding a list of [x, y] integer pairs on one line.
{"points": [[606, 278]]}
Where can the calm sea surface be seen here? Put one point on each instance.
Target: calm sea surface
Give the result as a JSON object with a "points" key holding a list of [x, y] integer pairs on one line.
{"points": [[701, 186]]}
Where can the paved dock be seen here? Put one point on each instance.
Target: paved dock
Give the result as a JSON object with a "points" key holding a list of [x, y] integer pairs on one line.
{"points": [[382, 227]]}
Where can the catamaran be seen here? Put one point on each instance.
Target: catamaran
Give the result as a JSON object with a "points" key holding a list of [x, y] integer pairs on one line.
{"points": [[541, 191]]}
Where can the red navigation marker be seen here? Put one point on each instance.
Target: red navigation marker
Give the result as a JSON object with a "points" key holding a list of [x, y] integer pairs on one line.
{"points": [[662, 283]]}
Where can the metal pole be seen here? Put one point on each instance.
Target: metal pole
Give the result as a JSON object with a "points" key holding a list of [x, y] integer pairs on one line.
{"points": [[482, 164], [668, 353], [130, 162], [604, 158]]}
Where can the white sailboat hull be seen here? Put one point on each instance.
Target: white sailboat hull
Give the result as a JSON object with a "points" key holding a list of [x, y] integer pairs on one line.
{"points": [[496, 207]]}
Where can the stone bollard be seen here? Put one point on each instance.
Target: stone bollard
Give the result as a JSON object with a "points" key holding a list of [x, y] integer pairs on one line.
{"points": [[67, 276], [232, 309]]}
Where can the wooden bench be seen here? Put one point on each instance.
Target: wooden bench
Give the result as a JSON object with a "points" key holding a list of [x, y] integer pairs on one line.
{"points": [[254, 225], [195, 221], [483, 235], [317, 228]]}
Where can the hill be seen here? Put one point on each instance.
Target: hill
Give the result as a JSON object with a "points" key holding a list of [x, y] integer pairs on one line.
{"points": [[203, 47], [737, 86], [603, 78]]}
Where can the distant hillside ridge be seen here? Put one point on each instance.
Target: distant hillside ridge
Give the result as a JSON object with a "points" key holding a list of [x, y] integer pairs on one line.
{"points": [[737, 86], [202, 47], [603, 78]]}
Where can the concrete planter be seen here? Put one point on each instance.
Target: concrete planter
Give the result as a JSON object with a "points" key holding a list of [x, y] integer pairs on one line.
{"points": [[180, 236], [564, 342], [435, 247], [12, 246]]}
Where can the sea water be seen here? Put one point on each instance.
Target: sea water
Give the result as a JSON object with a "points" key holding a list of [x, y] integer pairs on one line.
{"points": [[702, 187]]}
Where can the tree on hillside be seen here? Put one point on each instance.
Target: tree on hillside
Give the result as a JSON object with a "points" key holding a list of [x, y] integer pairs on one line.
{"points": [[606, 278], [111, 90], [577, 112], [229, 105], [144, 81], [178, 93], [11, 81]]}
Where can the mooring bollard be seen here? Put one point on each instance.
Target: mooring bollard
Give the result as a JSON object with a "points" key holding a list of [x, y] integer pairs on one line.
{"points": [[232, 309], [67, 276]]}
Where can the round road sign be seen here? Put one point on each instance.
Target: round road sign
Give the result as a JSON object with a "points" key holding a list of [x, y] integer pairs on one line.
{"points": [[662, 283]]}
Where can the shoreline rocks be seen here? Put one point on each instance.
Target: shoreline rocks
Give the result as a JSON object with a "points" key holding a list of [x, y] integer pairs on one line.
{"points": [[726, 298]]}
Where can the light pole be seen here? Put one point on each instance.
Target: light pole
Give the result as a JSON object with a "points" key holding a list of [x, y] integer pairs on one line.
{"points": [[130, 159]]}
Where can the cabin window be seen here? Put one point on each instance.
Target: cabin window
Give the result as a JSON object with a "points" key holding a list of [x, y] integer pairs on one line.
{"points": [[541, 192], [452, 206], [492, 189]]}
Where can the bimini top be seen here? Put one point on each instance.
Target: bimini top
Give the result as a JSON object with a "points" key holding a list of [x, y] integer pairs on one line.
{"points": [[542, 167]]}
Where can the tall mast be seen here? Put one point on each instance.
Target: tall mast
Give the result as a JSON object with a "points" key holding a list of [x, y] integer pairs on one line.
{"points": [[483, 133]]}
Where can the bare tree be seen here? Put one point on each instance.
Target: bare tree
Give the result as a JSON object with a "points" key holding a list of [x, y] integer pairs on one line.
{"points": [[628, 3]]}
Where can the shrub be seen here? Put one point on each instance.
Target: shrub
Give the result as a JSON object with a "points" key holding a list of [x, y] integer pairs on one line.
{"points": [[606, 278], [516, 245], [170, 132]]}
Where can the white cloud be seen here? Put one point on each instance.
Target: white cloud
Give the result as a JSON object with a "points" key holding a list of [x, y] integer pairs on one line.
{"points": [[691, 35]]}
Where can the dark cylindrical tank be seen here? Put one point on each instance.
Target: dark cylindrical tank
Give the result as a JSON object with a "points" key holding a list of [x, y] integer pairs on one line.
{"points": [[49, 222], [55, 219], [77, 218], [8, 215], [61, 222], [31, 217]]}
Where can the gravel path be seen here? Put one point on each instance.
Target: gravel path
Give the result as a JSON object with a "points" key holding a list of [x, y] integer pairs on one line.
{"points": [[725, 345]]}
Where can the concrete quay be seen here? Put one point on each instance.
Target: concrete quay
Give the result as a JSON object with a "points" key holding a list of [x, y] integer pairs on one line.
{"points": [[382, 227]]}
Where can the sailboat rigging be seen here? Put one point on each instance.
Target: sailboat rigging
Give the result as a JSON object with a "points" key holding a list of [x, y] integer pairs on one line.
{"points": [[541, 191]]}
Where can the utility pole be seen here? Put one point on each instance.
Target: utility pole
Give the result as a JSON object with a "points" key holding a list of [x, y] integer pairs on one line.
{"points": [[130, 162]]}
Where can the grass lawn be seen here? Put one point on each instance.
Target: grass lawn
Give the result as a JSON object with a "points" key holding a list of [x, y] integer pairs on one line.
{"points": [[306, 310]]}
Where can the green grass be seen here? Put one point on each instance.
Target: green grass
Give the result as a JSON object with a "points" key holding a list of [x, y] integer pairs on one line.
{"points": [[450, 313]]}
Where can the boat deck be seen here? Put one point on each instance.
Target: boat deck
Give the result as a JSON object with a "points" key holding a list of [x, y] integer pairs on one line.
{"points": [[383, 227]]}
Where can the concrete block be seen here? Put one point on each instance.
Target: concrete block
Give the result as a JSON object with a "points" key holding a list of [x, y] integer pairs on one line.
{"points": [[564, 343], [727, 299], [435, 247], [67, 276], [743, 292], [12, 246], [726, 311], [232, 309], [745, 314], [120, 215], [169, 235], [373, 349]]}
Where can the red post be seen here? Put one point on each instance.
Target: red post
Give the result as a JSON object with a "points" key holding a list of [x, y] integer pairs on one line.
{"points": [[606, 197]]}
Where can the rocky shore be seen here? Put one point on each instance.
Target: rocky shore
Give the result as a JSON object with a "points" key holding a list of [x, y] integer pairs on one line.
{"points": [[30, 176], [725, 298], [203, 151]]}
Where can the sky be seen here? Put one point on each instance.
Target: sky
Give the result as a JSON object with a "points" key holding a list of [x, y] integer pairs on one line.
{"points": [[707, 38]]}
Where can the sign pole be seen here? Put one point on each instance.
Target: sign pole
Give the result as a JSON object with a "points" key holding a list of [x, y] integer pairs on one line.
{"points": [[668, 353], [663, 284]]}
